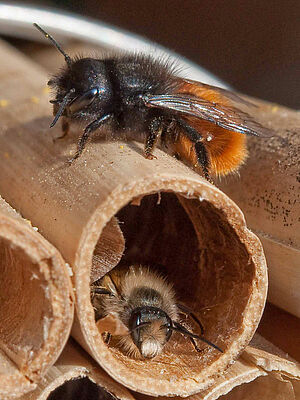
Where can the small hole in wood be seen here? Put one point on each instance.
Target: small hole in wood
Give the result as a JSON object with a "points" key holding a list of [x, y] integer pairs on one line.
{"points": [[80, 388]]}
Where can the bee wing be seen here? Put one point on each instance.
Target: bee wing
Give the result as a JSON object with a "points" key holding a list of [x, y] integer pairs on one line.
{"points": [[226, 116], [220, 92]]}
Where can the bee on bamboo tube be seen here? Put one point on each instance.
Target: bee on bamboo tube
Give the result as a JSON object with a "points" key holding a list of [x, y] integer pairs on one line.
{"points": [[145, 304], [200, 124]]}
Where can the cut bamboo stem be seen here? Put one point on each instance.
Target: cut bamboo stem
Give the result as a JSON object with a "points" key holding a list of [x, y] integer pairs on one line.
{"points": [[75, 375], [36, 306], [267, 190], [170, 217]]}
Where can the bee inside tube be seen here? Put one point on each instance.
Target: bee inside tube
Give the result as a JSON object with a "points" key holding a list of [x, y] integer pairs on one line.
{"points": [[145, 303]]}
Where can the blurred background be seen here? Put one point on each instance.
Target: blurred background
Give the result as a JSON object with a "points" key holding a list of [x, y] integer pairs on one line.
{"points": [[252, 45]]}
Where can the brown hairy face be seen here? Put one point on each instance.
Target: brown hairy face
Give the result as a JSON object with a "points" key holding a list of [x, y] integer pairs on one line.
{"points": [[152, 344], [153, 339]]}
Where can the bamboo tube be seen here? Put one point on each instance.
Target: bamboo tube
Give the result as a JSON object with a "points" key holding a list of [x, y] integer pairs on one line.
{"points": [[262, 370], [36, 306], [76, 376], [268, 193], [183, 224]]}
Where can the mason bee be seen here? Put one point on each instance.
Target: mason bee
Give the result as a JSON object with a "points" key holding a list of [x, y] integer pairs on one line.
{"points": [[200, 124], [145, 303]]}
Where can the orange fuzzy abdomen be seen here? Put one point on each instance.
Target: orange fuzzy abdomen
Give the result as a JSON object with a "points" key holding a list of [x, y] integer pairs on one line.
{"points": [[226, 149]]}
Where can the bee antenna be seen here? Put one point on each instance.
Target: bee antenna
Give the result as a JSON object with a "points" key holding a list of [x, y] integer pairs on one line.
{"points": [[140, 326], [54, 42], [62, 106], [181, 329]]}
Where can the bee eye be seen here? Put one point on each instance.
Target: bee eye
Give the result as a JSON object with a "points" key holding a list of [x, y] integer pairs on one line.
{"points": [[83, 101], [168, 333], [134, 323]]}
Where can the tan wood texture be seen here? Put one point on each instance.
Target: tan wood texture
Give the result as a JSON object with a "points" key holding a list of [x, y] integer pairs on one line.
{"points": [[36, 304], [261, 372], [268, 192], [282, 329], [12, 382], [75, 375]]}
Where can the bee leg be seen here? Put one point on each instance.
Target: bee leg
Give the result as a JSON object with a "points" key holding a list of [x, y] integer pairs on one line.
{"points": [[100, 290], [106, 337], [65, 128], [202, 158], [87, 132], [195, 345], [186, 310], [155, 130], [201, 153]]}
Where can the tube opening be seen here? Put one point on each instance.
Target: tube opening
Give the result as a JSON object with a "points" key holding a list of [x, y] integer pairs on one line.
{"points": [[191, 243], [80, 388]]}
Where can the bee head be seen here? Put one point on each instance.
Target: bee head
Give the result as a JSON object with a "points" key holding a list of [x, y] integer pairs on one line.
{"points": [[150, 329], [83, 89]]}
